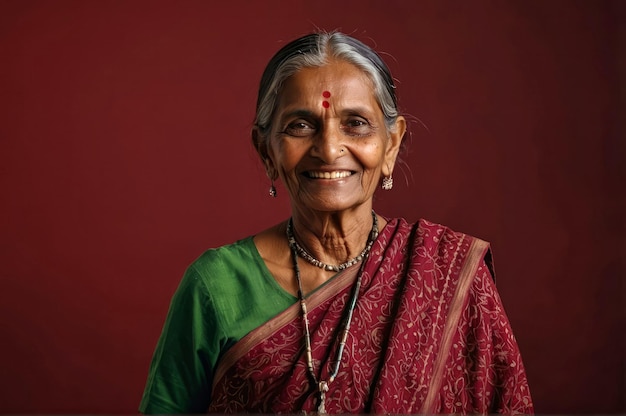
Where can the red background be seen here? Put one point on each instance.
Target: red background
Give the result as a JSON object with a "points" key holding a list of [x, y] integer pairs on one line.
{"points": [[125, 152]]}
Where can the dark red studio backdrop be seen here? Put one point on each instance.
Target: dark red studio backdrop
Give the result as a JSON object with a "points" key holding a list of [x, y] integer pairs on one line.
{"points": [[125, 152]]}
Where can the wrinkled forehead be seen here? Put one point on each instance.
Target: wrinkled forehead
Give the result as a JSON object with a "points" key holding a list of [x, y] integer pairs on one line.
{"points": [[329, 84]]}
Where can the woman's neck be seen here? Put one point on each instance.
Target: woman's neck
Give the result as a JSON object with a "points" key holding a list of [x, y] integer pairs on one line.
{"points": [[333, 237]]}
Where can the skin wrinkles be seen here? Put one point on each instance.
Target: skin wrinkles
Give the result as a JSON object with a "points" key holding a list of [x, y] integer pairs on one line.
{"points": [[332, 217]]}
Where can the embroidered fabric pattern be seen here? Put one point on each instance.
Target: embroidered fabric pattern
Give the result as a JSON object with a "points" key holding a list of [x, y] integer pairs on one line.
{"points": [[392, 360]]}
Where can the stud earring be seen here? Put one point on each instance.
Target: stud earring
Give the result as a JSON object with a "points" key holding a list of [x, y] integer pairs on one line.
{"points": [[272, 190], [387, 183]]}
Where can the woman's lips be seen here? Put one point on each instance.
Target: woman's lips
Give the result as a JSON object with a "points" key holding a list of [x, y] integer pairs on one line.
{"points": [[328, 175]]}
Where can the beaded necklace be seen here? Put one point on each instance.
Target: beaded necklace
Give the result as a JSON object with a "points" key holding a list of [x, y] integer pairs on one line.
{"points": [[332, 267], [322, 385]]}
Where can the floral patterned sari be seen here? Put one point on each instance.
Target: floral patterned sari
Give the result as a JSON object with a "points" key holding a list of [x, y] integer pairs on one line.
{"points": [[428, 335]]}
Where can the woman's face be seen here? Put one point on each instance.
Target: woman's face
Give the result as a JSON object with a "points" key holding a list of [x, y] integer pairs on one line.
{"points": [[328, 141]]}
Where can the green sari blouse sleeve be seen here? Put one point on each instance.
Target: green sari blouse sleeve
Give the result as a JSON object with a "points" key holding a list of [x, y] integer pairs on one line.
{"points": [[224, 294], [180, 372]]}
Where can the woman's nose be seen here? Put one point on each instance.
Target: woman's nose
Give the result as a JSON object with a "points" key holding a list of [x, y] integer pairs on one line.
{"points": [[328, 144]]}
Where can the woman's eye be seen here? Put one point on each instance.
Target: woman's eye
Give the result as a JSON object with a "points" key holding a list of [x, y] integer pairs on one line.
{"points": [[299, 129], [357, 127], [356, 123]]}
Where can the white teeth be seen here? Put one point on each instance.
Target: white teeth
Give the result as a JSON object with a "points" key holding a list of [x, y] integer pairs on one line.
{"points": [[330, 175]]}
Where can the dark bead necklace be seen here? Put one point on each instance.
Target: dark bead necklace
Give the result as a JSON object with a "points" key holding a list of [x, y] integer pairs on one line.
{"points": [[322, 385]]}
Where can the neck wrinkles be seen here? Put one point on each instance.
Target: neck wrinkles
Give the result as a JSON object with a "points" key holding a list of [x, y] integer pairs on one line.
{"points": [[333, 237]]}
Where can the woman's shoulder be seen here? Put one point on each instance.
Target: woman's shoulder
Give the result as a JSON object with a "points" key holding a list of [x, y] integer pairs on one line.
{"points": [[439, 242], [216, 256], [441, 232], [430, 231], [214, 264], [450, 245]]}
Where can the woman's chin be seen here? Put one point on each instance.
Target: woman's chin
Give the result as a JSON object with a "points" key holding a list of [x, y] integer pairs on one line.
{"points": [[328, 204]]}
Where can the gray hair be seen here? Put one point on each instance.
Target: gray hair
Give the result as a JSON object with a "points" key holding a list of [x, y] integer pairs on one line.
{"points": [[317, 50]]}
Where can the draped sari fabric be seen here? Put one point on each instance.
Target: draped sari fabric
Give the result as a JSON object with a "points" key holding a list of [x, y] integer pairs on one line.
{"points": [[428, 335]]}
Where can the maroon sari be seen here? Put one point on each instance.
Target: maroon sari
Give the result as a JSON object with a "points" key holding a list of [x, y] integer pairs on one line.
{"points": [[428, 335]]}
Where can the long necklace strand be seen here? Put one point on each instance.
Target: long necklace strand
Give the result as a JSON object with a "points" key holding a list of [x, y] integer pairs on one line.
{"points": [[332, 267], [322, 385]]}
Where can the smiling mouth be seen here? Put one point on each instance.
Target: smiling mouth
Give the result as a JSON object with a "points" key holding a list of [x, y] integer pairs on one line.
{"points": [[329, 175]]}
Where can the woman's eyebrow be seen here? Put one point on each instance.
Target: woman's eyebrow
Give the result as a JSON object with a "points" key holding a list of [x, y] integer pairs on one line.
{"points": [[356, 110], [298, 112]]}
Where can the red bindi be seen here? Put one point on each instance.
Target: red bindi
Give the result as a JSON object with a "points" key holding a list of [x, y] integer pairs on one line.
{"points": [[326, 94]]}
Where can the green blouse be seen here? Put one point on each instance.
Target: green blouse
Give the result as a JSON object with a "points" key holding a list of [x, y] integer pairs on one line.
{"points": [[226, 293]]}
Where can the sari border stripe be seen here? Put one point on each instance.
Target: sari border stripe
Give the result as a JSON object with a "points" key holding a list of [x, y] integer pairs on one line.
{"points": [[341, 281], [476, 253]]}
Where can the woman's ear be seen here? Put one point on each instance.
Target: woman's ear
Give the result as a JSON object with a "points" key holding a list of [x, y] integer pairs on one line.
{"points": [[261, 146], [396, 135], [258, 143]]}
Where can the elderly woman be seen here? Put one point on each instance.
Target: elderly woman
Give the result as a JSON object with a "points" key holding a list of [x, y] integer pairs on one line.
{"points": [[337, 309]]}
